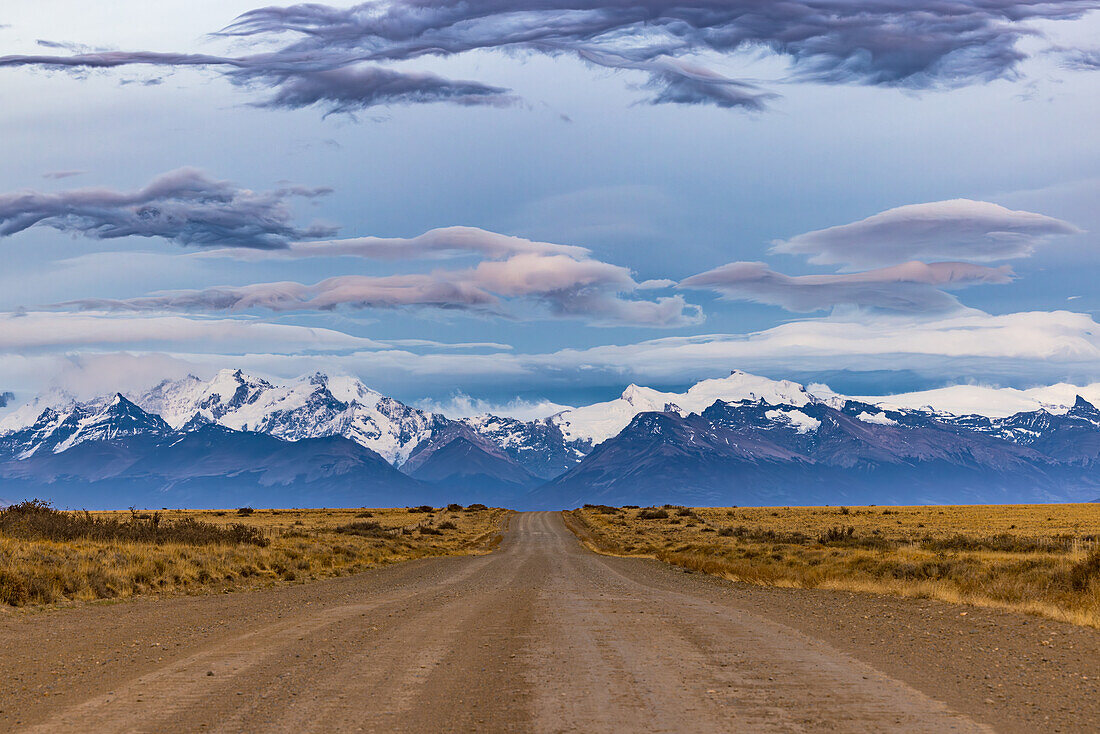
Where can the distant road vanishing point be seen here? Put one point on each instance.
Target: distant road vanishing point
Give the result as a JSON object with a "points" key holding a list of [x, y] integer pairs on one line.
{"points": [[540, 636]]}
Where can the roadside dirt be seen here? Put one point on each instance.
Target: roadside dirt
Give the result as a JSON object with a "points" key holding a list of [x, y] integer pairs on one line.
{"points": [[544, 636]]}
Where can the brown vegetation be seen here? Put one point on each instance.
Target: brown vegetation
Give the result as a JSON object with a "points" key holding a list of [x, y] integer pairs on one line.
{"points": [[47, 556], [35, 520], [1042, 559]]}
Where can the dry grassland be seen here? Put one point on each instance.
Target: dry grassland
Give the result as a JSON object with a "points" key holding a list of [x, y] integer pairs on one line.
{"points": [[48, 557], [1040, 559]]}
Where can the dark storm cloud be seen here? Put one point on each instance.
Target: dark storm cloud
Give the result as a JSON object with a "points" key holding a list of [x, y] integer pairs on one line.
{"points": [[184, 206], [925, 44], [909, 287]]}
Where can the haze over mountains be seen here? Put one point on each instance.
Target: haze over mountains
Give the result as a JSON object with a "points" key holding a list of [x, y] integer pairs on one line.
{"points": [[238, 439]]}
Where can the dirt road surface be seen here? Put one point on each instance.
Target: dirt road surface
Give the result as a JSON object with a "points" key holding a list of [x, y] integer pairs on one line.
{"points": [[542, 636]]}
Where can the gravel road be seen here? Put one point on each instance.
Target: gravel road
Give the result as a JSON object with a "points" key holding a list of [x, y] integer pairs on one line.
{"points": [[542, 636]]}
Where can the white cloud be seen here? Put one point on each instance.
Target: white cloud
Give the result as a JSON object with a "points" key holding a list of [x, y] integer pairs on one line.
{"points": [[1017, 348], [912, 286], [436, 243], [46, 330], [560, 280], [960, 229], [1036, 342], [461, 405]]}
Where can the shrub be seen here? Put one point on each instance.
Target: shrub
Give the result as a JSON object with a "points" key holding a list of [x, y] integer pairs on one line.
{"points": [[36, 520], [422, 508], [369, 529], [365, 514], [1083, 573], [447, 525], [658, 514], [836, 534], [244, 511], [429, 530], [845, 536], [602, 509], [454, 507], [476, 507]]}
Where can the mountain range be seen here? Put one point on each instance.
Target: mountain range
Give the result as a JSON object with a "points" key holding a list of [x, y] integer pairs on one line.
{"points": [[331, 441]]}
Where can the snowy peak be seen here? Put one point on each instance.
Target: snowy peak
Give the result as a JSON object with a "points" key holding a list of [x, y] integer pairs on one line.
{"points": [[178, 400], [599, 422], [538, 445], [743, 386], [119, 418], [311, 407], [991, 402], [1084, 410], [640, 396], [105, 419]]}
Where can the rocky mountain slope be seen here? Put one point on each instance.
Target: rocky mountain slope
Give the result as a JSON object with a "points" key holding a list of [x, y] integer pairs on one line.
{"points": [[754, 453]]}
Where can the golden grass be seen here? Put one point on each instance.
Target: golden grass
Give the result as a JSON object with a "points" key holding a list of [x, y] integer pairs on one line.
{"points": [[1039, 559], [304, 545]]}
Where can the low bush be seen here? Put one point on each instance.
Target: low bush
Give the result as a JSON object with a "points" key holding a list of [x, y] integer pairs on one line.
{"points": [[657, 514], [447, 525], [244, 511], [36, 520], [422, 508], [603, 509], [836, 535], [1084, 573], [369, 529], [1002, 542]]}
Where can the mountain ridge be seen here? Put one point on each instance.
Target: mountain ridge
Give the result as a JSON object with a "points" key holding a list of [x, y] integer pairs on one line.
{"points": [[769, 434]]}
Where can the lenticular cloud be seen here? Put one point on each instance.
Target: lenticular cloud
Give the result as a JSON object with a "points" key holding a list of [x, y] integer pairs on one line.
{"points": [[515, 278], [911, 287], [959, 229]]}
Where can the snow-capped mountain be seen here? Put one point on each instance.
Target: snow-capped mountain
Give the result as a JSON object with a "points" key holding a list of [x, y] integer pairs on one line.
{"points": [[57, 430], [311, 407], [991, 402], [599, 422], [537, 445], [739, 437], [751, 452]]}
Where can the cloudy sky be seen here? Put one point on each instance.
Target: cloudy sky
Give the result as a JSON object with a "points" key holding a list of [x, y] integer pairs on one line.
{"points": [[506, 203]]}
